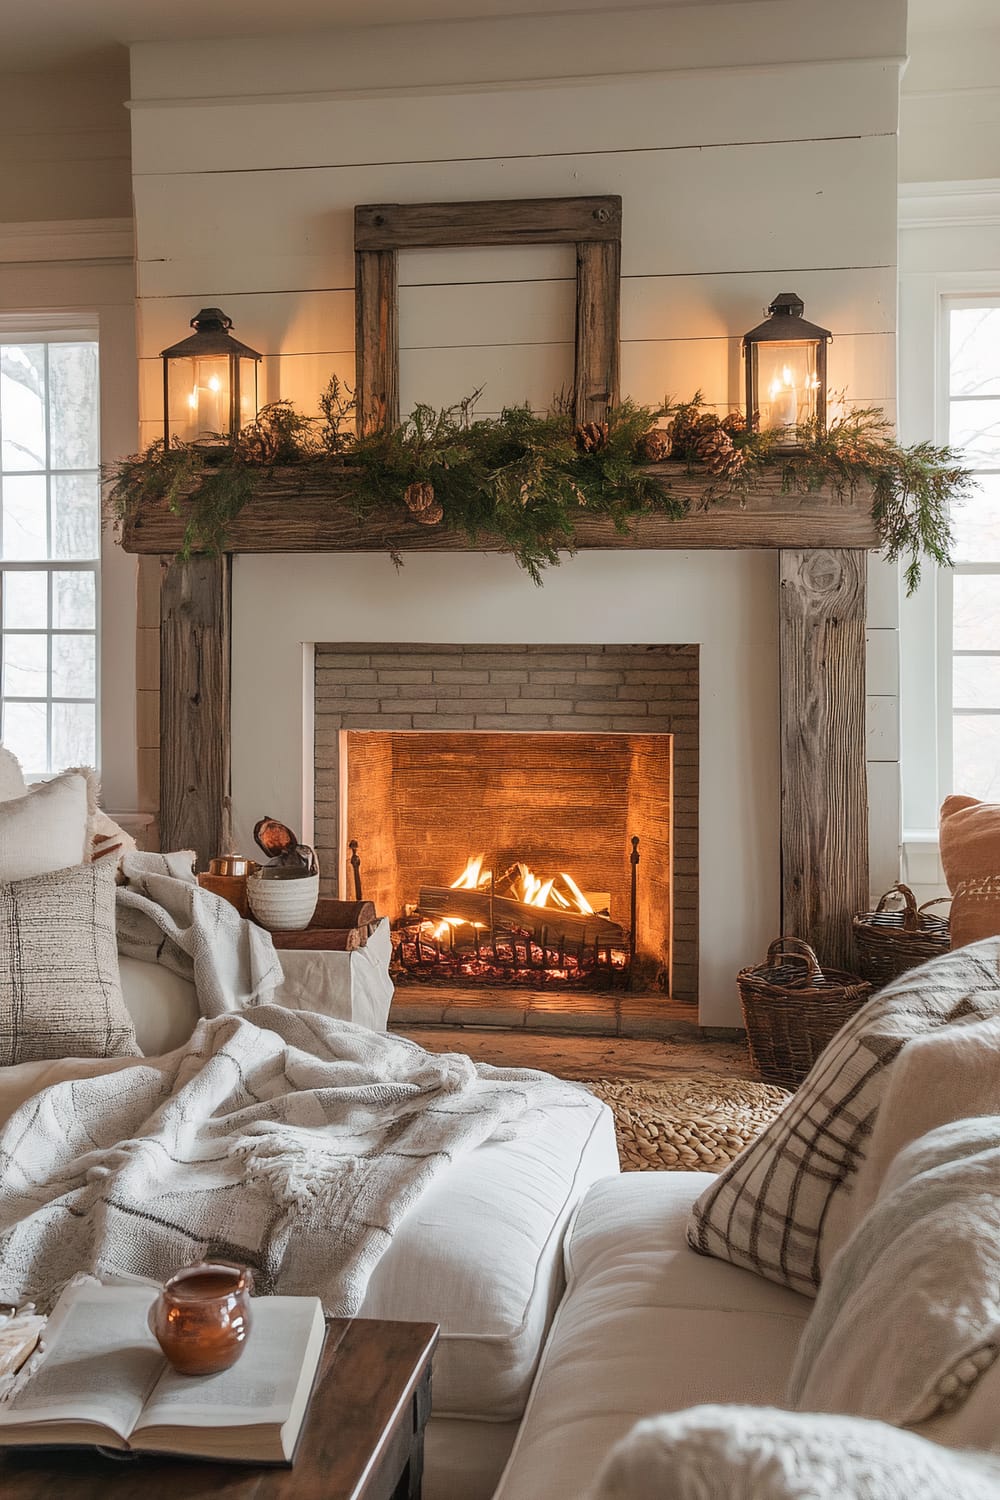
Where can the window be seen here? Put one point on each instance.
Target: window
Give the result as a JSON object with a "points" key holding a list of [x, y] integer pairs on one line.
{"points": [[50, 534], [973, 394]]}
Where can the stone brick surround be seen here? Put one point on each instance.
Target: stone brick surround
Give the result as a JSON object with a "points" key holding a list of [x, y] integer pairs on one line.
{"points": [[519, 688]]}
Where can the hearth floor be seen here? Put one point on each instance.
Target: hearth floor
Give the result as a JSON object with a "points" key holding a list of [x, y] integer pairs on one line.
{"points": [[612, 1013], [588, 1056]]}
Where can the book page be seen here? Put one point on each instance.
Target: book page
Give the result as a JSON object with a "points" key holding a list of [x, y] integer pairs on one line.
{"points": [[260, 1388], [100, 1364]]}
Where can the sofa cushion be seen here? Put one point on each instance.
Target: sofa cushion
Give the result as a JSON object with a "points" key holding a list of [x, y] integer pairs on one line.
{"points": [[163, 1005], [645, 1326], [720, 1452], [60, 994], [480, 1253], [783, 1208]]}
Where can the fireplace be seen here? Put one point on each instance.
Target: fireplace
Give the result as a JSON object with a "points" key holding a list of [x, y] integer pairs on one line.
{"points": [[524, 815], [527, 859]]}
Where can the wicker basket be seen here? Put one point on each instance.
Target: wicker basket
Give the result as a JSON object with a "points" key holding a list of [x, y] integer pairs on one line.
{"points": [[890, 942], [792, 1008]]}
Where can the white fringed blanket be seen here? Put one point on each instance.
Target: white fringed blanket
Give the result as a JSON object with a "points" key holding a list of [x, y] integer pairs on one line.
{"points": [[286, 1140]]}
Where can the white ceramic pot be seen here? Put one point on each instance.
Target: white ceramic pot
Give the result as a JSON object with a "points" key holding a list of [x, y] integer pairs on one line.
{"points": [[283, 900]]}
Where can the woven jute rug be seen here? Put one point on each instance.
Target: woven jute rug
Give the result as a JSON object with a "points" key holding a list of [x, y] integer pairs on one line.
{"points": [[687, 1124]]}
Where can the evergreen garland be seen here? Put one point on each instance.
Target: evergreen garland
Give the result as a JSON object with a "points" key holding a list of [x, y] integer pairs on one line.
{"points": [[526, 477]]}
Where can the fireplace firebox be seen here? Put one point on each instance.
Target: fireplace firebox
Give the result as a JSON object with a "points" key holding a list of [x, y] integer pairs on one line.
{"points": [[531, 859], [523, 815]]}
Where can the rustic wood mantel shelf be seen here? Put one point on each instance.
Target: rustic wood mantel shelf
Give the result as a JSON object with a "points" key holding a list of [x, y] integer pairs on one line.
{"points": [[295, 510]]}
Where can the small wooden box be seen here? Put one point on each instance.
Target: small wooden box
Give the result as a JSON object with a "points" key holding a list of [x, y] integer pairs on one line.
{"points": [[336, 926]]}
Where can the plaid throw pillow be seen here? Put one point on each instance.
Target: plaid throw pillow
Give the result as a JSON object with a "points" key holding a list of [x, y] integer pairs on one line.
{"points": [[60, 995], [782, 1208]]}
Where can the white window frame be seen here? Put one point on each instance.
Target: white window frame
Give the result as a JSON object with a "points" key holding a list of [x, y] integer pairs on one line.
{"points": [[947, 711], [949, 254], [51, 328]]}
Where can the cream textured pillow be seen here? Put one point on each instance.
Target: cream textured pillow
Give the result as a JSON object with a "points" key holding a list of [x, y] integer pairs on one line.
{"points": [[12, 783], [782, 1209], [907, 1320], [757, 1453], [60, 994], [48, 827]]}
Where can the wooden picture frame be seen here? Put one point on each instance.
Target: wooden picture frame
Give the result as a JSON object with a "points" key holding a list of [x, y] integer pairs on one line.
{"points": [[381, 230]]}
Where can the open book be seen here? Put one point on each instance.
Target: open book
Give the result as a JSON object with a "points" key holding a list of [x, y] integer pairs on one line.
{"points": [[104, 1382]]}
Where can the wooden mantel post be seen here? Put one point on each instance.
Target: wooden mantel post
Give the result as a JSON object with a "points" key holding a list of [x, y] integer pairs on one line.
{"points": [[824, 792], [194, 706]]}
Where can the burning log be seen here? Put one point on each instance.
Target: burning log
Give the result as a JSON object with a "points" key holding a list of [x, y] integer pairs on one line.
{"points": [[501, 913]]}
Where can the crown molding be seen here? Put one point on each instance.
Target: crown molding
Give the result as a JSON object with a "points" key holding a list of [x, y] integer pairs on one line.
{"points": [[957, 205], [67, 239]]}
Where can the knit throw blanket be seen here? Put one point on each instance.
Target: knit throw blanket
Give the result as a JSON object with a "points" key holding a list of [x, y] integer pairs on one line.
{"points": [[288, 1141]]}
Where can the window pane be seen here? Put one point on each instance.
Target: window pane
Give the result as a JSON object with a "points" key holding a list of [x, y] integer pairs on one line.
{"points": [[977, 521], [977, 612], [25, 666], [74, 600], [24, 732], [25, 532], [976, 681], [74, 741], [25, 601], [75, 516], [976, 746], [22, 406], [975, 351], [73, 666], [73, 407], [975, 430]]}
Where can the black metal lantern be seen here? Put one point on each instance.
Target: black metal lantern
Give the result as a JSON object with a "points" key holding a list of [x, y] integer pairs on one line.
{"points": [[786, 371], [209, 383]]}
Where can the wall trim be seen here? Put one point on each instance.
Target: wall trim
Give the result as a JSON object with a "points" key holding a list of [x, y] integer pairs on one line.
{"points": [[958, 204], [499, 85], [67, 239]]}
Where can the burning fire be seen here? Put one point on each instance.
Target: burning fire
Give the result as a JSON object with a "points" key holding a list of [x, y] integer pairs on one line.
{"points": [[520, 883]]}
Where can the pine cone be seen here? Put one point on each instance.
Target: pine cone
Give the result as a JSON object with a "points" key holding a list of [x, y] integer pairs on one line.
{"points": [[715, 450], [591, 437], [430, 515], [419, 497], [733, 422], [689, 427], [654, 446]]}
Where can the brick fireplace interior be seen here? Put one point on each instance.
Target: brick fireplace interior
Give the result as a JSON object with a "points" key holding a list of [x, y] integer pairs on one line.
{"points": [[471, 777]]}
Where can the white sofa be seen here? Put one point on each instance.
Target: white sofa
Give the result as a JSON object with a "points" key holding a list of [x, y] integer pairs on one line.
{"points": [[646, 1326]]}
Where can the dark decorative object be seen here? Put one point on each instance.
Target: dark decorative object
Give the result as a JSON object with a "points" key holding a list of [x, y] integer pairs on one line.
{"points": [[786, 372], [209, 384]]}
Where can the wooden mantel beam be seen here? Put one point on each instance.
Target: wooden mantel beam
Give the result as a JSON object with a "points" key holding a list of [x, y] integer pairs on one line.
{"points": [[294, 511]]}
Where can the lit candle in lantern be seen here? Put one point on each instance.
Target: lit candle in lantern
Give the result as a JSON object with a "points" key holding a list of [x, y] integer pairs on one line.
{"points": [[784, 401]]}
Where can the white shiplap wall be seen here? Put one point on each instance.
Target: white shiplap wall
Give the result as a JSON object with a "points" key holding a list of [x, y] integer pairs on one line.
{"points": [[754, 148]]}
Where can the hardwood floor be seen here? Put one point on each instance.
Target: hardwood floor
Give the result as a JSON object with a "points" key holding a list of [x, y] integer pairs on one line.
{"points": [[586, 1056]]}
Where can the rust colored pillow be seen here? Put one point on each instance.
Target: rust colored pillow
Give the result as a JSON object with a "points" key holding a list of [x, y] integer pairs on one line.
{"points": [[970, 853]]}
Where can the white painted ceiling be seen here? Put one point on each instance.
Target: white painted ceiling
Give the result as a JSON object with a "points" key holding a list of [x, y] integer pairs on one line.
{"points": [[49, 33]]}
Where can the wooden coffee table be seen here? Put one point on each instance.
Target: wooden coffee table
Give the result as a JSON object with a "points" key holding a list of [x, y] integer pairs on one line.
{"points": [[363, 1437]]}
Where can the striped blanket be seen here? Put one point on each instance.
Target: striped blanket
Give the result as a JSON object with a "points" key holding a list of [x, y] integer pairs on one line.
{"points": [[291, 1142]]}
